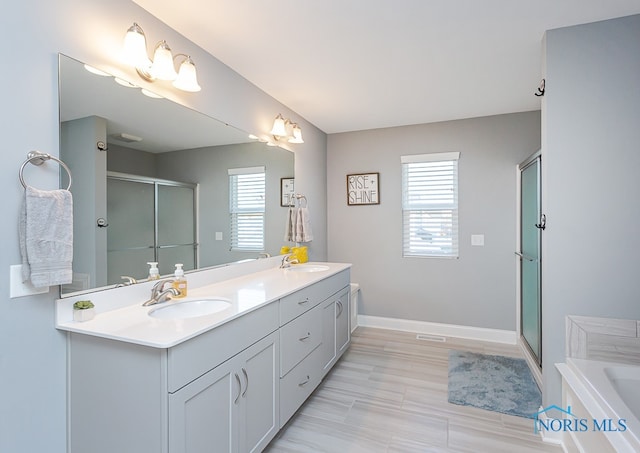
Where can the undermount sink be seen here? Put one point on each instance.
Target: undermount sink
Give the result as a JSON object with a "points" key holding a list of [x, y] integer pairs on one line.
{"points": [[308, 268], [189, 308]]}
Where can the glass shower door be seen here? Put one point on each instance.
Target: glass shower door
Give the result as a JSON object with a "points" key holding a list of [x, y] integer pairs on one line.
{"points": [[176, 227], [131, 231], [530, 263], [149, 220]]}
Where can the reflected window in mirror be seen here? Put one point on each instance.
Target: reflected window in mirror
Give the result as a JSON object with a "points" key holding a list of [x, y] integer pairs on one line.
{"points": [[246, 208]]}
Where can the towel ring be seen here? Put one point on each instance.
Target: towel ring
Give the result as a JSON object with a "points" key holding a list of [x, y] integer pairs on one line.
{"points": [[38, 158], [296, 200]]}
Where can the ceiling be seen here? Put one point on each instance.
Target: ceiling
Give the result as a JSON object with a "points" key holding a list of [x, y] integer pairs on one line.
{"points": [[347, 65]]}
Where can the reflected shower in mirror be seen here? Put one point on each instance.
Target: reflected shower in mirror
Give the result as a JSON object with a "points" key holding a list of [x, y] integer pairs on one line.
{"points": [[151, 181]]}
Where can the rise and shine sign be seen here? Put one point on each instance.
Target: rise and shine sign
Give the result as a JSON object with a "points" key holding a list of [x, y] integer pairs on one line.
{"points": [[363, 189]]}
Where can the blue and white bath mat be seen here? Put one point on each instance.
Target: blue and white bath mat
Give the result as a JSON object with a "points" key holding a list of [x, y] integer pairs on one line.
{"points": [[493, 382]]}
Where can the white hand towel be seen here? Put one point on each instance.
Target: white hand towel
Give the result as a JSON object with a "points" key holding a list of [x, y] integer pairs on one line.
{"points": [[298, 229], [46, 237], [303, 226]]}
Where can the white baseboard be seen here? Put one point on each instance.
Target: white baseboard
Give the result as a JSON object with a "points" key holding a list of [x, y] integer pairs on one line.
{"points": [[434, 328]]}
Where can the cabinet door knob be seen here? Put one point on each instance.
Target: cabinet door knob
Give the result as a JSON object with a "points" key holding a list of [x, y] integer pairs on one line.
{"points": [[246, 378], [305, 382], [305, 337], [239, 388]]}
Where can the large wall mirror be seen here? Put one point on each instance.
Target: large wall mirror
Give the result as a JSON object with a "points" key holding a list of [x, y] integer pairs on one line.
{"points": [[151, 181]]}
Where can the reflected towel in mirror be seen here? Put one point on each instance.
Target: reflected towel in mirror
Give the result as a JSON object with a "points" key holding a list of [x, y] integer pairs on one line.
{"points": [[289, 231]]}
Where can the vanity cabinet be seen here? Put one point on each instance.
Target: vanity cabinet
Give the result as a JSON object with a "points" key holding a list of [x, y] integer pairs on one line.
{"points": [[343, 322], [216, 392], [335, 328], [233, 407], [308, 338], [228, 389]]}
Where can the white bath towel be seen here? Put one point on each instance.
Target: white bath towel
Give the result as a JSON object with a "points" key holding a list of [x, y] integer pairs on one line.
{"points": [[46, 237], [289, 231], [303, 231]]}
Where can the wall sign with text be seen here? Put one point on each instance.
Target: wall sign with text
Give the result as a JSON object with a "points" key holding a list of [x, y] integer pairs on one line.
{"points": [[363, 188]]}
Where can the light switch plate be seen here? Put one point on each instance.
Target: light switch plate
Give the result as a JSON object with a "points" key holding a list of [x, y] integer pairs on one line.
{"points": [[218, 235], [477, 240], [19, 289]]}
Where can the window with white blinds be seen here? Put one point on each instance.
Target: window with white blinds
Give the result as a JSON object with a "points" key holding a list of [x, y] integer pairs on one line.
{"points": [[430, 205], [247, 208]]}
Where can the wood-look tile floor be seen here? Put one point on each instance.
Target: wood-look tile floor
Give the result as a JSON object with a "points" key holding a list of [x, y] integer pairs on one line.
{"points": [[388, 393]]}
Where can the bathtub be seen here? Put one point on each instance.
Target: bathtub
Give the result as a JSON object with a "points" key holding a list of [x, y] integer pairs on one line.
{"points": [[598, 391]]}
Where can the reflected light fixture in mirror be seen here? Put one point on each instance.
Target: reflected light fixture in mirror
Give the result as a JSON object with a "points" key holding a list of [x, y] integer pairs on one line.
{"points": [[285, 129], [161, 67]]}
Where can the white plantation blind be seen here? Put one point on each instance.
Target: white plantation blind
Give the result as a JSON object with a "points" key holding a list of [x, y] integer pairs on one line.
{"points": [[247, 208], [430, 205]]}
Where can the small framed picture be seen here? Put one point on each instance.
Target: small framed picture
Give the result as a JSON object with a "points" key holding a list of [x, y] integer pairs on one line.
{"points": [[363, 189], [287, 191]]}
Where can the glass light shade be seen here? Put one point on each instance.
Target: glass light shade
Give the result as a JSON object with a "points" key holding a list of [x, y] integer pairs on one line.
{"points": [[187, 78], [162, 67], [279, 128], [297, 135], [135, 47]]}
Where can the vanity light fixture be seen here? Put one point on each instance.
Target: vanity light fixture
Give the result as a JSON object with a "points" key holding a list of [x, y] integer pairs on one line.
{"points": [[286, 129], [161, 67]]}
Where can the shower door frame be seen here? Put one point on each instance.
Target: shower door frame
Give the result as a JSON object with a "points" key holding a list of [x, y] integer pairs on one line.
{"points": [[533, 358], [156, 182]]}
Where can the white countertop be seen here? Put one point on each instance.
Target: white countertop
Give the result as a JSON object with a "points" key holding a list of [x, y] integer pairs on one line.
{"points": [[129, 321]]}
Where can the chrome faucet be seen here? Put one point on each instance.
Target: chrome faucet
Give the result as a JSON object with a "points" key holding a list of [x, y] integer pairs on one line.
{"points": [[287, 261], [159, 294], [128, 281]]}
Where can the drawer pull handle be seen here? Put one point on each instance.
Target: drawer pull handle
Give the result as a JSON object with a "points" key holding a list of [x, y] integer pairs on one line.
{"points": [[305, 337], [305, 382], [239, 388], [340, 308], [302, 302], [246, 378]]}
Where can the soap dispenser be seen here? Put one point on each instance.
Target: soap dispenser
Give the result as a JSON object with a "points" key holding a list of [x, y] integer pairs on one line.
{"points": [[180, 283], [154, 273]]}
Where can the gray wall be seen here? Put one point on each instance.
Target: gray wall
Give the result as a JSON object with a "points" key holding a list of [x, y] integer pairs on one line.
{"points": [[591, 183], [208, 167], [33, 354], [88, 168], [126, 160], [479, 288]]}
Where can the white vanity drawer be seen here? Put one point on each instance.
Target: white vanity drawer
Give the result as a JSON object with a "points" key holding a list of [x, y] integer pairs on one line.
{"points": [[299, 337], [298, 384], [295, 304]]}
